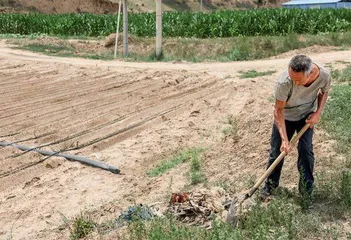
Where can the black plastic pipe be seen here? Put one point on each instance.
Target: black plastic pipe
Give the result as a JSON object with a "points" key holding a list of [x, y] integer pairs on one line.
{"points": [[70, 157]]}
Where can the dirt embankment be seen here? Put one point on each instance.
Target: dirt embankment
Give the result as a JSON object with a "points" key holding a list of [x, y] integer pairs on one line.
{"points": [[61, 6], [111, 6]]}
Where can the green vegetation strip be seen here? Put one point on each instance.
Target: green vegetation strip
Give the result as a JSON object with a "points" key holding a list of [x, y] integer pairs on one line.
{"points": [[192, 154], [65, 50], [336, 120], [281, 219], [47, 48], [336, 117], [196, 171], [262, 22], [189, 49], [254, 74]]}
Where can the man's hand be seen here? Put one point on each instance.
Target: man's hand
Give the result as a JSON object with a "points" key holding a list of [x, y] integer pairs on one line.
{"points": [[313, 119], [285, 147]]}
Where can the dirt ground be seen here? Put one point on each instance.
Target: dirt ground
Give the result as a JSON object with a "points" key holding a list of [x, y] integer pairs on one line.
{"points": [[129, 115], [59, 6], [111, 6]]}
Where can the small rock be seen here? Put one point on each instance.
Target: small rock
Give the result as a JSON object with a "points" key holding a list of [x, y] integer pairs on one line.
{"points": [[10, 197], [48, 215], [97, 156], [54, 162], [224, 215], [62, 227], [191, 124], [31, 182], [164, 118], [194, 113]]}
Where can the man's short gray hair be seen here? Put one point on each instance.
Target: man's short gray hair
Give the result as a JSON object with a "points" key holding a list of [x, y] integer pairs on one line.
{"points": [[301, 63]]}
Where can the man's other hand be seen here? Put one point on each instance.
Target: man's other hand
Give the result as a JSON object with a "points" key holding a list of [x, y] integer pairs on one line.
{"points": [[313, 119], [285, 147]]}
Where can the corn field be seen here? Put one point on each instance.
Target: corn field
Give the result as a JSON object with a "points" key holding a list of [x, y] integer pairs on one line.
{"points": [[263, 22]]}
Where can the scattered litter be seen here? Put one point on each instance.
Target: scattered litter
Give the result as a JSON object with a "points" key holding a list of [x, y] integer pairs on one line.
{"points": [[198, 208], [136, 213], [179, 197]]}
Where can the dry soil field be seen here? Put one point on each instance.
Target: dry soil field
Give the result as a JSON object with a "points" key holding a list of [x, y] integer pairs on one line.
{"points": [[129, 115]]}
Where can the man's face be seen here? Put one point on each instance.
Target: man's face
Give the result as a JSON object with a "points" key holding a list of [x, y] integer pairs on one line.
{"points": [[299, 78]]}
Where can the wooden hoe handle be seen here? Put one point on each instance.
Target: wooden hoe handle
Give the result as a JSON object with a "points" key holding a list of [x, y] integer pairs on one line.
{"points": [[276, 162]]}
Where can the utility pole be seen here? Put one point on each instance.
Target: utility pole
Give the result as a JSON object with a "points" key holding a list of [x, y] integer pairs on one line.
{"points": [[125, 28], [117, 28], [201, 6], [158, 29]]}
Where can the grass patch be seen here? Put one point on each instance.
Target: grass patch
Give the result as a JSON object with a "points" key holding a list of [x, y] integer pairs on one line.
{"points": [[342, 76], [82, 226], [333, 185], [345, 188], [343, 62], [231, 130], [332, 196], [196, 170], [175, 161], [47, 48], [281, 219], [65, 50], [336, 117], [254, 74], [104, 56]]}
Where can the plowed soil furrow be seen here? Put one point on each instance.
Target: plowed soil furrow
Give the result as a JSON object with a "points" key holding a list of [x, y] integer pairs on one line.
{"points": [[60, 112], [84, 114], [20, 178], [86, 137], [53, 91], [65, 92]]}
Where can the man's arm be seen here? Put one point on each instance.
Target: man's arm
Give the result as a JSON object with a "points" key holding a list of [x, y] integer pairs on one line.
{"points": [[314, 117], [279, 120]]}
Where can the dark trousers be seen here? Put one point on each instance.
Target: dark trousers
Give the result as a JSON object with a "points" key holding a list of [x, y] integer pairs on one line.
{"points": [[305, 161]]}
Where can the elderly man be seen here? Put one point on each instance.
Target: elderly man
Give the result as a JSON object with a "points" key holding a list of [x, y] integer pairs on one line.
{"points": [[300, 96]]}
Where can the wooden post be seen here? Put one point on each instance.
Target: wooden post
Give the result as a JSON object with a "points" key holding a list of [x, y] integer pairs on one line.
{"points": [[158, 29], [117, 30], [125, 28]]}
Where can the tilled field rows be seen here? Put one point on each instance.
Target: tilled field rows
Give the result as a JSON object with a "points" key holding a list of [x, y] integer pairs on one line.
{"points": [[69, 108]]}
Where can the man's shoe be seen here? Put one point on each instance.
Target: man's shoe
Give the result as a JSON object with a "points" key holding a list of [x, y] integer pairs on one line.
{"points": [[265, 193]]}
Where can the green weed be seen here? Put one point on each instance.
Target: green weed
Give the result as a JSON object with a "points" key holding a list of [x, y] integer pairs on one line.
{"points": [[174, 161], [336, 118], [231, 130], [82, 226], [254, 74], [342, 76]]}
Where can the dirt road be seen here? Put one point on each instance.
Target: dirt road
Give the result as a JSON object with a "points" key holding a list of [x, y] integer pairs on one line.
{"points": [[129, 115]]}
